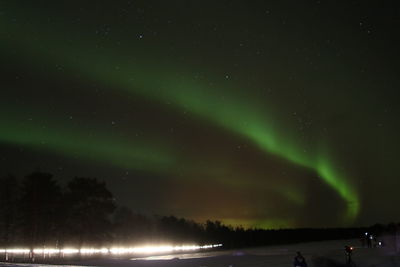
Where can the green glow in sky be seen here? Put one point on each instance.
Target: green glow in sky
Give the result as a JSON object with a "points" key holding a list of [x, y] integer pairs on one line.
{"points": [[234, 114], [220, 104], [141, 154]]}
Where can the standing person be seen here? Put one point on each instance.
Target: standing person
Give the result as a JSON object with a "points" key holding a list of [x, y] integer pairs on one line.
{"points": [[299, 260], [369, 241], [349, 252]]}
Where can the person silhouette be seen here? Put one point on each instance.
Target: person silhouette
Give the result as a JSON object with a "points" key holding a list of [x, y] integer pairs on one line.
{"points": [[349, 252], [299, 260]]}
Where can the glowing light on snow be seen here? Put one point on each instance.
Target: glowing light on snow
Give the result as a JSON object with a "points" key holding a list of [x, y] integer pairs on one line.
{"points": [[159, 249], [105, 251], [15, 251], [70, 251]]}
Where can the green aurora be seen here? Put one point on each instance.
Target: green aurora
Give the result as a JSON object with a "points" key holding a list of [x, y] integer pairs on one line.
{"points": [[240, 114], [141, 155]]}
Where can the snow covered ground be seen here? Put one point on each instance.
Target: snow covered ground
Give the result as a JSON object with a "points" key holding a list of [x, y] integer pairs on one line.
{"points": [[318, 254]]}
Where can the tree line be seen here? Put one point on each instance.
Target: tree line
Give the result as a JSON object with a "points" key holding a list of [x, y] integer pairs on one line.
{"points": [[36, 211]]}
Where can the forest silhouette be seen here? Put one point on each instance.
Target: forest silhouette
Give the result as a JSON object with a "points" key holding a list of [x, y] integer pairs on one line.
{"points": [[36, 211]]}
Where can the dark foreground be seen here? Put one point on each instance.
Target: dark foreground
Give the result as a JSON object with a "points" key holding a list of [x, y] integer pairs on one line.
{"points": [[318, 254]]}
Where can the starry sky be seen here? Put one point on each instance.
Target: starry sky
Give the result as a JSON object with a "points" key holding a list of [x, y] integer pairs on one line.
{"points": [[256, 113]]}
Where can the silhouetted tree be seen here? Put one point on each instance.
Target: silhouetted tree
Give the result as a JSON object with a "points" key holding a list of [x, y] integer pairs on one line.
{"points": [[131, 228], [39, 203], [90, 206], [9, 192]]}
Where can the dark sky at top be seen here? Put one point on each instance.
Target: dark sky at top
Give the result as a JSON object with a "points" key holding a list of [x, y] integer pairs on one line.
{"points": [[259, 113]]}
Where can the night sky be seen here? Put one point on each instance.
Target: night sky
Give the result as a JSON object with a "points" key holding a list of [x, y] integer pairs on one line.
{"points": [[255, 113]]}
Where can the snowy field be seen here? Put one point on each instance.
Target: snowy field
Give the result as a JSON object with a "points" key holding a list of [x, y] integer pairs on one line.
{"points": [[318, 254]]}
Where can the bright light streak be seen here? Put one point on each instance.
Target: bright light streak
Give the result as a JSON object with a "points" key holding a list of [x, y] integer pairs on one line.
{"points": [[15, 251], [105, 251], [70, 251], [46, 251], [159, 249]]}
